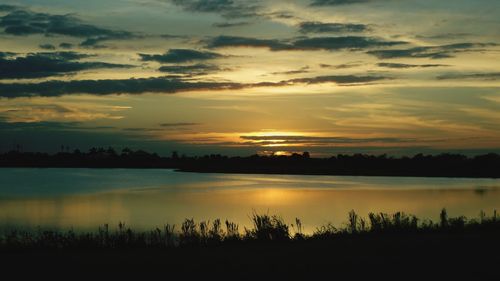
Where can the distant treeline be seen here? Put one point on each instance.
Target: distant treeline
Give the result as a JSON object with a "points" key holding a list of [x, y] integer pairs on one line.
{"points": [[442, 165]]}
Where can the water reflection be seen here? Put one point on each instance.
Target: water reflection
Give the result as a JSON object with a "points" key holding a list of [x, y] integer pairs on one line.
{"points": [[144, 199]]}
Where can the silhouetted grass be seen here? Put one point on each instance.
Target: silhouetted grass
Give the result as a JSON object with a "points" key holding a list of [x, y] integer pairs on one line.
{"points": [[266, 228]]}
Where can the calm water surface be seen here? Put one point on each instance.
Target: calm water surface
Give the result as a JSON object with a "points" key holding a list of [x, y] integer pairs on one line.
{"points": [[87, 198]]}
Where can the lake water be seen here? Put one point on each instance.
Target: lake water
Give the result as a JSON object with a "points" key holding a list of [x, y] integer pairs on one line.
{"points": [[86, 198]]}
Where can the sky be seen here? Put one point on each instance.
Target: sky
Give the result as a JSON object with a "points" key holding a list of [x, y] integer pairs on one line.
{"points": [[242, 77]]}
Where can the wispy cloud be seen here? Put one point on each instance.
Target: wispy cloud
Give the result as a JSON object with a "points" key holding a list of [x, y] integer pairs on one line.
{"points": [[166, 85], [226, 8], [191, 70], [231, 24], [337, 2], [316, 43], [180, 56], [180, 124], [487, 76], [404, 65], [432, 52], [321, 27], [40, 111], [284, 140]]}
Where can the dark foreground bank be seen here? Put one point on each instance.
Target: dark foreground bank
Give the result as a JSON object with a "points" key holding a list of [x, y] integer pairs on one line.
{"points": [[382, 246]]}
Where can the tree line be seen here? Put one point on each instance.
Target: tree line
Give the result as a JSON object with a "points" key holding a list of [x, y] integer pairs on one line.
{"points": [[446, 164]]}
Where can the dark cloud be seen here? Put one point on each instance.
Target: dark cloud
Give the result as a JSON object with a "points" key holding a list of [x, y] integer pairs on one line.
{"points": [[167, 85], [320, 27], [297, 140], [195, 69], [291, 72], [21, 22], [6, 8], [180, 56], [236, 41], [279, 15], [6, 54], [110, 87], [433, 52], [318, 43], [66, 45], [45, 125], [490, 76], [342, 66], [418, 52], [172, 36], [340, 79], [37, 65], [142, 129], [226, 8], [345, 42], [179, 124], [465, 46], [444, 36], [230, 24], [403, 65], [47, 46], [337, 2]]}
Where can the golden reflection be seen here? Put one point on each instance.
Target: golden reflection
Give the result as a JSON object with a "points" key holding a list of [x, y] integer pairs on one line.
{"points": [[144, 209]]}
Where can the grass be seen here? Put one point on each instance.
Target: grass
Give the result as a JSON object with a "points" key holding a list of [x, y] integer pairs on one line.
{"points": [[266, 229]]}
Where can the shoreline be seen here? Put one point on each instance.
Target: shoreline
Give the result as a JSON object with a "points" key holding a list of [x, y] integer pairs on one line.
{"points": [[260, 172]]}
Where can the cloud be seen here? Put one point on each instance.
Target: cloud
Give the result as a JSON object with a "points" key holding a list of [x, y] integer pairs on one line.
{"points": [[445, 36], [318, 141], [44, 125], [340, 79], [21, 22], [110, 87], [6, 8], [172, 36], [6, 54], [319, 27], [403, 65], [226, 8], [291, 72], [36, 112], [418, 52], [345, 42], [47, 46], [432, 52], [236, 41], [489, 76], [318, 43], [37, 65], [167, 85], [180, 56], [179, 124], [230, 24], [279, 15], [342, 66], [66, 45], [195, 69], [337, 2]]}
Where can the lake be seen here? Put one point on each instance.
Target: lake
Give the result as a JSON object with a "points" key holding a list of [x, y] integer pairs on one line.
{"points": [[147, 198]]}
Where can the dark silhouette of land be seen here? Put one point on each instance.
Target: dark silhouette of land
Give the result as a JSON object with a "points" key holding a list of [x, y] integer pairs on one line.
{"points": [[442, 165], [396, 246]]}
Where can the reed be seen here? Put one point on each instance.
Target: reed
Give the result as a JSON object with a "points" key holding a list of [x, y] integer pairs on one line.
{"points": [[266, 228]]}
